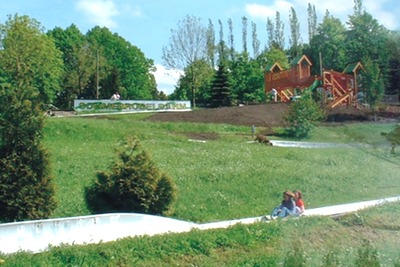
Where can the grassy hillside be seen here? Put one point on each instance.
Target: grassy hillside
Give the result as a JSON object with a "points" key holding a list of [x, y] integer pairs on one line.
{"points": [[368, 238], [227, 176]]}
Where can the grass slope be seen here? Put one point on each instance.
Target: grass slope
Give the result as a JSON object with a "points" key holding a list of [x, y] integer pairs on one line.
{"points": [[226, 177]]}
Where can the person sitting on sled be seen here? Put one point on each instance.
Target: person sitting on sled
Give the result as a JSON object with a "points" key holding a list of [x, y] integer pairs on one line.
{"points": [[287, 206]]}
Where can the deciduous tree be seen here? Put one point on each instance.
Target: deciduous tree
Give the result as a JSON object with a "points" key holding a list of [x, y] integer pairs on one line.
{"points": [[187, 44]]}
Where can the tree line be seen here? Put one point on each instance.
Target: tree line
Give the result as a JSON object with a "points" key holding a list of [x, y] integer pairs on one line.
{"points": [[195, 48], [92, 66]]}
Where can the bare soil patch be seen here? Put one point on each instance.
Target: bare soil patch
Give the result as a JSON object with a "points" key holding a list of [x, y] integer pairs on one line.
{"points": [[271, 115]]}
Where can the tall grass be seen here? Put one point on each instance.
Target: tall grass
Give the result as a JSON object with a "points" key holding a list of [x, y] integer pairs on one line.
{"points": [[229, 177]]}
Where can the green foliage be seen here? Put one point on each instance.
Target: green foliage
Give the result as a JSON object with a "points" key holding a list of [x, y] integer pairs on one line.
{"points": [[195, 83], [373, 85], [134, 184], [246, 80], [29, 58], [220, 92], [367, 256], [302, 116], [26, 186], [329, 43]]}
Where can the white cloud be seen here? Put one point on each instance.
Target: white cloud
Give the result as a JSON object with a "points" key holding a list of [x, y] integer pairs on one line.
{"points": [[166, 79], [264, 11], [100, 12]]}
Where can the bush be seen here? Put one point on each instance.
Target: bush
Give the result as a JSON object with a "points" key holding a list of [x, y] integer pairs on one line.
{"points": [[134, 184], [302, 116], [26, 185]]}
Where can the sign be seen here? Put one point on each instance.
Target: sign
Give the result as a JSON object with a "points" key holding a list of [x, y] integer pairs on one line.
{"points": [[130, 105]]}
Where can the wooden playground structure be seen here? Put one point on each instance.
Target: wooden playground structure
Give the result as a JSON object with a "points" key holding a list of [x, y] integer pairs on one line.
{"points": [[334, 88]]}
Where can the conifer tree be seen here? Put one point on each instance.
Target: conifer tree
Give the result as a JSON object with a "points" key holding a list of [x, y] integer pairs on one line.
{"points": [[220, 92], [134, 184], [28, 62]]}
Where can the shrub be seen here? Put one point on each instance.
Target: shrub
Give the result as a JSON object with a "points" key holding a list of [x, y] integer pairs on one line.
{"points": [[302, 116], [134, 184], [26, 188]]}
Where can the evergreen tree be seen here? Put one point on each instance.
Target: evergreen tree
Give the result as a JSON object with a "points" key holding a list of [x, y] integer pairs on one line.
{"points": [[28, 57], [134, 184], [220, 92]]}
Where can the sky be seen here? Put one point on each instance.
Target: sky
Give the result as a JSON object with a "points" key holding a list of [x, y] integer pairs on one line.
{"points": [[147, 24]]}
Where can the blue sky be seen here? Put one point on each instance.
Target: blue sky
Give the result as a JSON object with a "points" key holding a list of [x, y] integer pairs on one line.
{"points": [[147, 23]]}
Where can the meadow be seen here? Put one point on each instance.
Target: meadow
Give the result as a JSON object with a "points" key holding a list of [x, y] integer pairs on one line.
{"points": [[229, 177]]}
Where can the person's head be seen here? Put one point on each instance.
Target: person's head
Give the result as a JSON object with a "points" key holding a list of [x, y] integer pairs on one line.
{"points": [[298, 194], [288, 195]]}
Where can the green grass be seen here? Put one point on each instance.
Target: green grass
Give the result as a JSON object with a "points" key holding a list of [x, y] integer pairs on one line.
{"points": [[229, 177], [360, 239], [232, 178]]}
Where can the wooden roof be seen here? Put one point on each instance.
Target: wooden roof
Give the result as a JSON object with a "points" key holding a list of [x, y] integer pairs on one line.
{"points": [[353, 67], [273, 67], [297, 60]]}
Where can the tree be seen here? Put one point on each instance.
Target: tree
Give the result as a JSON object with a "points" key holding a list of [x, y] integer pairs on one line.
{"points": [[211, 48], [294, 40], [231, 40], [244, 34], [366, 38], [246, 81], [275, 55], [26, 48], [270, 33], [188, 43], [223, 54], [302, 116], [372, 83], [393, 87], [279, 32], [220, 92], [125, 68], [79, 64], [312, 21], [330, 42], [202, 82], [255, 40], [134, 184], [30, 66]]}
